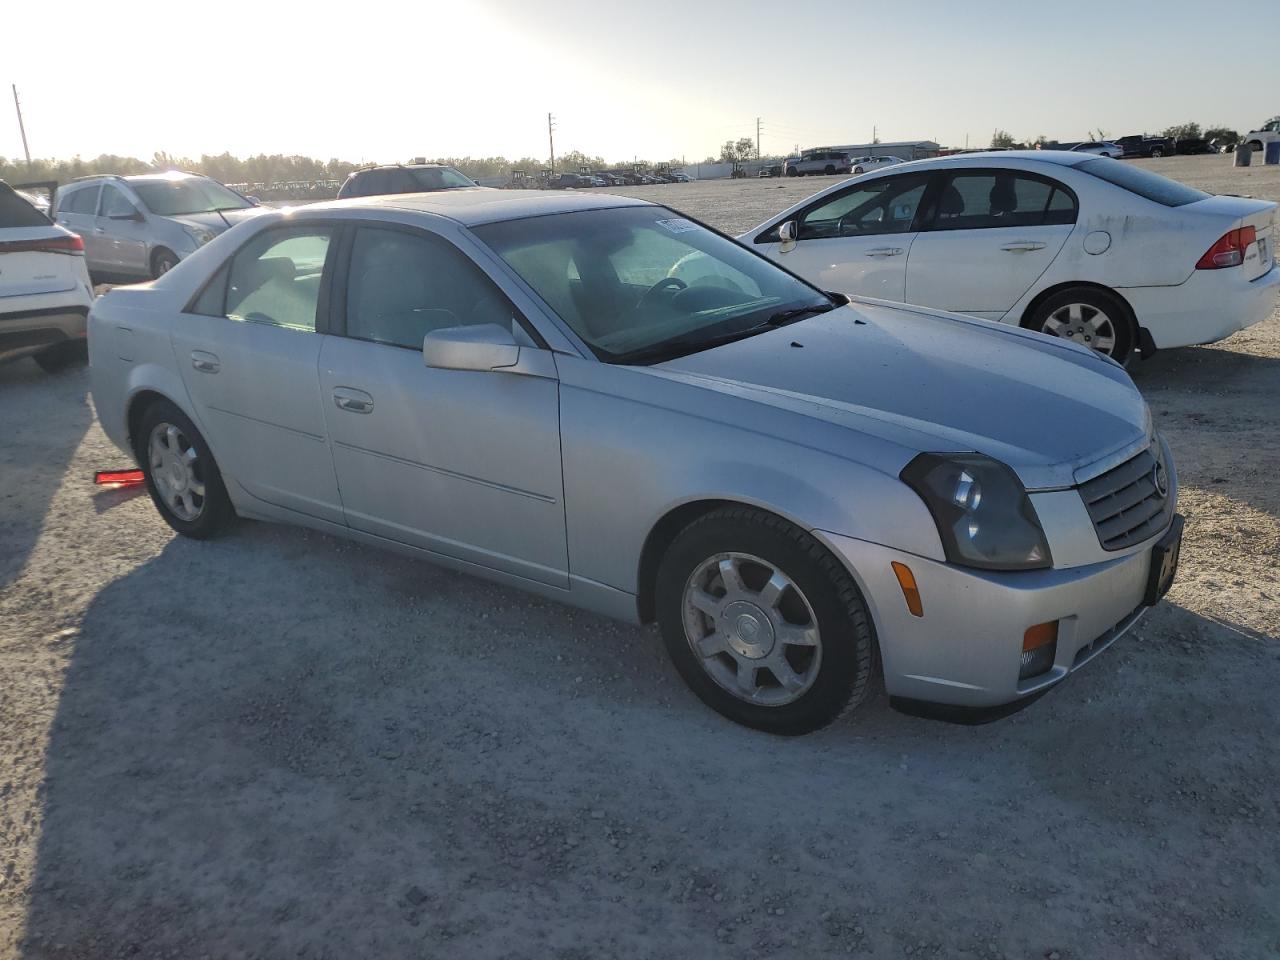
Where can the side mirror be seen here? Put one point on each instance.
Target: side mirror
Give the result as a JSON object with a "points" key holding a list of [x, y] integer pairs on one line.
{"points": [[788, 232], [485, 346]]}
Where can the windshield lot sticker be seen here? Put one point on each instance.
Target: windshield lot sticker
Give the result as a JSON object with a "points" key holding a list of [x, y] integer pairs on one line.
{"points": [[678, 225]]}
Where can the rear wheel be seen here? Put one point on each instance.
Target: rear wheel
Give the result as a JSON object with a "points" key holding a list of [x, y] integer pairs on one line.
{"points": [[180, 472], [1255, 145], [1089, 317], [763, 623], [162, 261], [1157, 152], [829, 170], [792, 172], [858, 170], [60, 356]]}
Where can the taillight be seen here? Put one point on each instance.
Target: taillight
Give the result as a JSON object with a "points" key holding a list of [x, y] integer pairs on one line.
{"points": [[1229, 250], [70, 243]]}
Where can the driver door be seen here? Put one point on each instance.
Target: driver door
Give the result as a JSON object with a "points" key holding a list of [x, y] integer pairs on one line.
{"points": [[857, 239]]}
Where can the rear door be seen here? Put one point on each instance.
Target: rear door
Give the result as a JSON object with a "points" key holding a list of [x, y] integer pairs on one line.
{"points": [[856, 239], [248, 348], [76, 211], [987, 237]]}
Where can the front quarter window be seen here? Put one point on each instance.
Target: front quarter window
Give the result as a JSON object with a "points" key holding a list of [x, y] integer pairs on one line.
{"points": [[642, 284]]}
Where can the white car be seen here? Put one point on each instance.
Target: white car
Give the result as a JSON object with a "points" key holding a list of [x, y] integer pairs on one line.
{"points": [[1100, 148], [867, 164], [45, 292], [1269, 133], [1095, 250]]}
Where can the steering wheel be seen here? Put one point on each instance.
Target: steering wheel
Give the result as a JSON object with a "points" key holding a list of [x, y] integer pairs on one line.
{"points": [[674, 284]]}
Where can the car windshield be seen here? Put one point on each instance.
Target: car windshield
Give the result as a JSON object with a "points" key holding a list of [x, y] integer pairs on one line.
{"points": [[439, 178], [643, 284], [173, 198]]}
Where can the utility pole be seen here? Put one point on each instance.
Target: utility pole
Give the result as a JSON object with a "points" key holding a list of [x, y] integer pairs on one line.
{"points": [[874, 138], [757, 138], [551, 139], [21, 127]]}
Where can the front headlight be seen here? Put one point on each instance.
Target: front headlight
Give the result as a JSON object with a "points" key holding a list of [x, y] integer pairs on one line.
{"points": [[200, 235], [984, 516]]}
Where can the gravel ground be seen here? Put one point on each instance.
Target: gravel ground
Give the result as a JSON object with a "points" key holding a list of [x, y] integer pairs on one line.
{"points": [[278, 744]]}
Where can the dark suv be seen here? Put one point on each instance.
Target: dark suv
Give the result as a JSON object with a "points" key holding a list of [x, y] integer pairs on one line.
{"points": [[403, 178]]}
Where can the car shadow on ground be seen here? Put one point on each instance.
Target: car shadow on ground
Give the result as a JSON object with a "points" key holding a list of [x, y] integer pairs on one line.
{"points": [[281, 744], [39, 440]]}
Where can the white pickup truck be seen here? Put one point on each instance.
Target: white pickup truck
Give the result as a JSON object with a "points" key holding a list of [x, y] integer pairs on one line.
{"points": [[1270, 133]]}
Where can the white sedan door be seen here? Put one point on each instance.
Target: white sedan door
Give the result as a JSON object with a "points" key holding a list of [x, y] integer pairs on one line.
{"points": [[855, 240], [988, 237]]}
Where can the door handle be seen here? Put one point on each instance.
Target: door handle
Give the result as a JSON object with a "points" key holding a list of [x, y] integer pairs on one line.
{"points": [[885, 252], [99, 230], [205, 362], [1022, 246], [353, 401]]}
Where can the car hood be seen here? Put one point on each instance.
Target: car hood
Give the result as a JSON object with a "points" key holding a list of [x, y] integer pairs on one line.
{"points": [[930, 381], [215, 221]]}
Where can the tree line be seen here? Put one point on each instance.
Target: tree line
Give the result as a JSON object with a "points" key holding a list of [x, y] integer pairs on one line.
{"points": [[1004, 140], [276, 168]]}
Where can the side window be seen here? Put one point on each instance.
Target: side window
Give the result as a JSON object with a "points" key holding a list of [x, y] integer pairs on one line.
{"points": [[1000, 198], [115, 203], [84, 200], [212, 300], [401, 286], [882, 206], [276, 277]]}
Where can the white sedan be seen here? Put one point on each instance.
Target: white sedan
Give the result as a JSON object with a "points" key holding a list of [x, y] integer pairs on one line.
{"points": [[1097, 251], [867, 164], [1100, 148]]}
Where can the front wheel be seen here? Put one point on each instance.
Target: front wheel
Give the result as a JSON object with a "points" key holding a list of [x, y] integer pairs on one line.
{"points": [[1157, 152], [1089, 317], [792, 172], [181, 475], [763, 623], [829, 170]]}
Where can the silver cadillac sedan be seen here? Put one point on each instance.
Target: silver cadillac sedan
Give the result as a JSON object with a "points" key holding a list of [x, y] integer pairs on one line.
{"points": [[607, 403]]}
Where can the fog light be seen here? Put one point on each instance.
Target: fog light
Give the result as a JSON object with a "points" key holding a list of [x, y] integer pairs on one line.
{"points": [[1039, 649]]}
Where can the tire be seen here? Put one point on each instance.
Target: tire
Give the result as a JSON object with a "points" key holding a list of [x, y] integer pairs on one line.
{"points": [[857, 170], [1157, 152], [1255, 146], [829, 170], [792, 172], [162, 261], [202, 490], [63, 355], [829, 661], [1099, 317]]}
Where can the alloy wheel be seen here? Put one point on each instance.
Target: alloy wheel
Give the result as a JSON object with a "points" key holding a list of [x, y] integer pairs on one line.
{"points": [[1085, 324], [752, 629], [176, 471]]}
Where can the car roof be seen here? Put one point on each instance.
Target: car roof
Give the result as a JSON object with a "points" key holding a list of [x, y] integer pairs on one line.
{"points": [[474, 206], [400, 166], [1062, 158]]}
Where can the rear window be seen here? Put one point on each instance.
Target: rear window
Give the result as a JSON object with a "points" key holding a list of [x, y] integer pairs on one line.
{"points": [[16, 212], [1144, 183]]}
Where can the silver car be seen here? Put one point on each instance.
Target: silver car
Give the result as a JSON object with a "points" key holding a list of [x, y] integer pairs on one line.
{"points": [[604, 402], [137, 228]]}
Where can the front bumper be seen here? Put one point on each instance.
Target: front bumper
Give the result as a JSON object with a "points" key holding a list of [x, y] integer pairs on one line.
{"points": [[965, 650], [1210, 306]]}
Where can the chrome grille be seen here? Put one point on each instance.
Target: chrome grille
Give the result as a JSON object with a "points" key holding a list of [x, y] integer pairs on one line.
{"points": [[1124, 503]]}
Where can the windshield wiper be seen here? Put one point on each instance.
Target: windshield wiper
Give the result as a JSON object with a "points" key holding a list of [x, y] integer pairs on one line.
{"points": [[783, 317], [672, 349]]}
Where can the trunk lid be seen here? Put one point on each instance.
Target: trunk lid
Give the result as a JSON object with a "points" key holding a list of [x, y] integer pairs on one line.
{"points": [[1232, 213]]}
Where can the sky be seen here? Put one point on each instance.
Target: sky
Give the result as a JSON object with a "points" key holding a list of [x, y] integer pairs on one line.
{"points": [[380, 81]]}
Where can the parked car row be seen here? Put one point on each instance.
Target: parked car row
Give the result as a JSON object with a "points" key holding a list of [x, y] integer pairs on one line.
{"points": [[609, 178], [831, 162]]}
